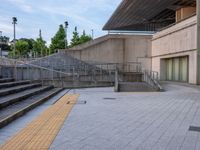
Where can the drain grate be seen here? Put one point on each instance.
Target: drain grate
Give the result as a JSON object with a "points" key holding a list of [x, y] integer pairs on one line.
{"points": [[109, 98], [194, 128], [78, 102]]}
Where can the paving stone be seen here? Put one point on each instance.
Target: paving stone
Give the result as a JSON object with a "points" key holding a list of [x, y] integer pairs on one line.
{"points": [[133, 121]]}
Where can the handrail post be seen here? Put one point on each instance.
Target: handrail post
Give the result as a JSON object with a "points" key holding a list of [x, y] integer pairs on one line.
{"points": [[73, 71], [61, 79], [116, 80], [41, 77], [52, 75], [15, 70]]}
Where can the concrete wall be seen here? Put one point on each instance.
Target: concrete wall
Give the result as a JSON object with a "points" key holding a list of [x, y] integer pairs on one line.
{"points": [[178, 38], [138, 49], [175, 41], [109, 51], [116, 49]]}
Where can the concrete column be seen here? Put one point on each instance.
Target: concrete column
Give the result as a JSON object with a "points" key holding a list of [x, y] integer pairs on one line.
{"points": [[198, 41]]}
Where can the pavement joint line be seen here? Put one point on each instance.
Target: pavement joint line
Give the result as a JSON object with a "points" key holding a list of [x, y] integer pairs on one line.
{"points": [[41, 132]]}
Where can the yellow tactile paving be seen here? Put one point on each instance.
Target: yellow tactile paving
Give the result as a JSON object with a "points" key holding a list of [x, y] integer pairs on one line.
{"points": [[41, 132]]}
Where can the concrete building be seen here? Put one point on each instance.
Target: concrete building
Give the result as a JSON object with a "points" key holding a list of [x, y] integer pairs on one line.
{"points": [[172, 50]]}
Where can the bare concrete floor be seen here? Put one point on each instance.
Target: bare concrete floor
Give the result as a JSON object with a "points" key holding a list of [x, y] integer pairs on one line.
{"points": [[126, 121]]}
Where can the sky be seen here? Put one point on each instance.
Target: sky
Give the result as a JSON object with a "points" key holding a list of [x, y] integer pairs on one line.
{"points": [[47, 15]]}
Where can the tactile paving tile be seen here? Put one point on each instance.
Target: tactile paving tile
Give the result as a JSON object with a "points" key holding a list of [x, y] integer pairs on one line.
{"points": [[41, 132]]}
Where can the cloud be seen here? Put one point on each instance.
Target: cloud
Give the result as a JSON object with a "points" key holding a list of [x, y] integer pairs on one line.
{"points": [[6, 25], [48, 14], [22, 5], [86, 13], [73, 16]]}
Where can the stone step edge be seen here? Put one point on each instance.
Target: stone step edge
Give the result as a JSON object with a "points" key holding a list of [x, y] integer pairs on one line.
{"points": [[4, 80], [16, 90], [15, 83], [23, 111], [23, 97]]}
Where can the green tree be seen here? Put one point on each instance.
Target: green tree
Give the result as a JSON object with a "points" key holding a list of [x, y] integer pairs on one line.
{"points": [[58, 41], [85, 38], [4, 43], [22, 48], [75, 38], [29, 41], [13, 54], [40, 48]]}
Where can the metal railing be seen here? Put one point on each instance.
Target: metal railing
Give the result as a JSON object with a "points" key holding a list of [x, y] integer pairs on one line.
{"points": [[20, 70], [123, 67], [60, 73], [152, 78]]}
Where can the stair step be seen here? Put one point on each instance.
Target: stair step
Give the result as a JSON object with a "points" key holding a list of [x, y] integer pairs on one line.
{"points": [[135, 87], [16, 89], [18, 109], [11, 84], [3, 80], [13, 98]]}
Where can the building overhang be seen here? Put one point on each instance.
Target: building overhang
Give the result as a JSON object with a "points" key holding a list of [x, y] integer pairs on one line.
{"points": [[145, 15]]}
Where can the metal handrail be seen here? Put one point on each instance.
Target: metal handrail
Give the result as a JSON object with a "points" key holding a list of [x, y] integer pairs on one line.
{"points": [[91, 74], [31, 68], [76, 72], [16, 63], [151, 77]]}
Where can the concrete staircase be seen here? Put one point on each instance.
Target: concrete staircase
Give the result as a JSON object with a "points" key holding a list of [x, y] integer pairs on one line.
{"points": [[19, 97], [135, 87], [64, 62], [135, 82]]}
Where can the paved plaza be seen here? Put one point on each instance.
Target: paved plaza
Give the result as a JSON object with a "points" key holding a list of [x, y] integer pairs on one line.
{"points": [[126, 121]]}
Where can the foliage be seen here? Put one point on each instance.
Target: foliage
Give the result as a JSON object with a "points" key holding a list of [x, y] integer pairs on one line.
{"points": [[13, 54], [4, 43], [77, 40], [21, 48], [4, 39], [29, 47], [85, 38], [58, 41], [39, 48], [30, 43]]}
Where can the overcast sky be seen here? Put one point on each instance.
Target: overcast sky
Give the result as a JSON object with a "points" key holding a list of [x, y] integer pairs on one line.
{"points": [[47, 15]]}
